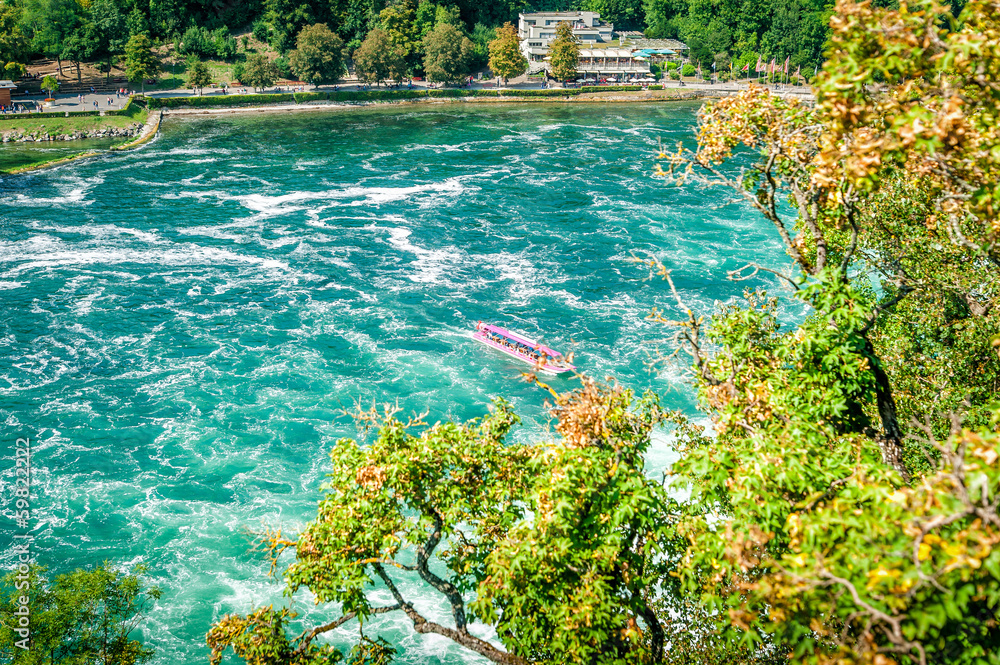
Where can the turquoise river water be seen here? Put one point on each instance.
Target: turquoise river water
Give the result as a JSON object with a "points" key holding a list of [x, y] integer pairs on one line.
{"points": [[181, 324]]}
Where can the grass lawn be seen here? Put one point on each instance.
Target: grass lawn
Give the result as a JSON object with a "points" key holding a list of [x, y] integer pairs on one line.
{"points": [[27, 124], [175, 75]]}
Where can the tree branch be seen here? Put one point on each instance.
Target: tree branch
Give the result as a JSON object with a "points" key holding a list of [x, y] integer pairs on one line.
{"points": [[308, 636], [462, 637]]}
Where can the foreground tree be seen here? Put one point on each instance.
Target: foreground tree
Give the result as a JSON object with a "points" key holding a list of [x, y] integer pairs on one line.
{"points": [[140, 63], [564, 53], [318, 56], [259, 72], [850, 494], [506, 59], [447, 54], [564, 546], [378, 60], [86, 616], [198, 75]]}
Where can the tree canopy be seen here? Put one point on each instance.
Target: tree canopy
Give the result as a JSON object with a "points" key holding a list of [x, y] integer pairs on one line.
{"points": [[447, 54], [258, 71], [464, 509], [84, 616], [506, 59], [564, 53], [198, 75], [378, 60], [140, 63], [318, 55]]}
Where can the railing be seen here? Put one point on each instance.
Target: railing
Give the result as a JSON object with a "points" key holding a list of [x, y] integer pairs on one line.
{"points": [[619, 66]]}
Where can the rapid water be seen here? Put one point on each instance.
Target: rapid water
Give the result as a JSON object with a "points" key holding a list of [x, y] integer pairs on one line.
{"points": [[182, 324]]}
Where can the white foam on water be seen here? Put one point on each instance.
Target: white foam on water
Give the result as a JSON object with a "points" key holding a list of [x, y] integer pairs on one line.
{"points": [[73, 192], [44, 252], [99, 231], [430, 264]]}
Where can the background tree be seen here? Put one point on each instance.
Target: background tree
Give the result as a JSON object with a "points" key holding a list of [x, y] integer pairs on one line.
{"points": [[399, 23], [137, 22], [259, 72], [564, 53], [198, 75], [85, 616], [378, 60], [447, 54], [318, 56], [140, 63], [50, 84], [50, 23], [82, 44], [111, 30], [14, 44], [623, 14], [506, 59]]}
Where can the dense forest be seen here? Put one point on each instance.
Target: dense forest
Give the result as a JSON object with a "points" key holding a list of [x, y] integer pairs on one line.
{"points": [[722, 33]]}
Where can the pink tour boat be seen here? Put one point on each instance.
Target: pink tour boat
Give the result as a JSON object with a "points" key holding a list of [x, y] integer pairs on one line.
{"points": [[522, 348]]}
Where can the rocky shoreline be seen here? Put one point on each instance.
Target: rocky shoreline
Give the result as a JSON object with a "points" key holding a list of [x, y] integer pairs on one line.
{"points": [[16, 136]]}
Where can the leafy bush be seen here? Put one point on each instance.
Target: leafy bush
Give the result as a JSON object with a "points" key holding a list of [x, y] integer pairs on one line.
{"points": [[656, 87], [374, 95], [303, 97], [671, 65], [130, 109], [261, 31], [688, 69], [238, 72], [223, 44], [47, 114], [610, 88], [554, 92], [200, 42], [284, 68], [226, 100]]}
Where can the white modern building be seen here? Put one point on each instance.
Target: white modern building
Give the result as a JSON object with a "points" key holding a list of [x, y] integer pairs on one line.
{"points": [[539, 29]]}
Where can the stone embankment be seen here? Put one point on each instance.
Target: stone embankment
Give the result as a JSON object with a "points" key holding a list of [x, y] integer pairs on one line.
{"points": [[17, 136]]}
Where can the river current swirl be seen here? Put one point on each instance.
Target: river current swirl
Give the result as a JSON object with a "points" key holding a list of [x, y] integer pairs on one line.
{"points": [[181, 325]]}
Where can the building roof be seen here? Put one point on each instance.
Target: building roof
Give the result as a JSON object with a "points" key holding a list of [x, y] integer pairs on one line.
{"points": [[605, 53], [671, 44], [8, 84], [554, 14]]}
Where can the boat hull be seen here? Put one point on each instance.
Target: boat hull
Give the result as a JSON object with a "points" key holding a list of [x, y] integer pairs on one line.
{"points": [[546, 368]]}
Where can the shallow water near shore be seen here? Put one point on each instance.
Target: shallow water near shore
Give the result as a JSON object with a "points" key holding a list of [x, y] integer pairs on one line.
{"points": [[183, 323], [16, 155]]}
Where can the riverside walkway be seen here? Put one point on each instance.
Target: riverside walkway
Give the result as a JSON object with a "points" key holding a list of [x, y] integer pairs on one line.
{"points": [[76, 102]]}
